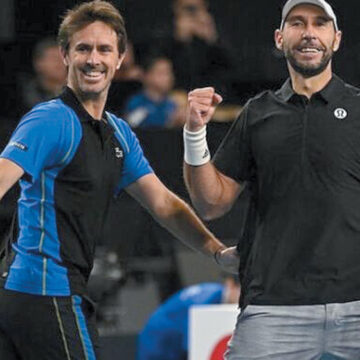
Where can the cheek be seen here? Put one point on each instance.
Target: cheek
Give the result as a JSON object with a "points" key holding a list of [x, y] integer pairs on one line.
{"points": [[114, 65]]}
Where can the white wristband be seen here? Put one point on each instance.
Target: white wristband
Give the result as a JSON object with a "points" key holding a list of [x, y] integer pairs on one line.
{"points": [[196, 151]]}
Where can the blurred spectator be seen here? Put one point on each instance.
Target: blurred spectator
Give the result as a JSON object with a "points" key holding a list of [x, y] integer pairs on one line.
{"points": [[129, 70], [165, 335], [199, 57], [153, 107], [193, 20], [126, 82], [49, 74]]}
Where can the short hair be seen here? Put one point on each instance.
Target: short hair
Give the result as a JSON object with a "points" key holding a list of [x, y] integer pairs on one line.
{"points": [[153, 59], [42, 46], [86, 13]]}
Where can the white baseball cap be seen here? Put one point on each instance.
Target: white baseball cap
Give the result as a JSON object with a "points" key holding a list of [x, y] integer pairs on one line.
{"points": [[321, 3]]}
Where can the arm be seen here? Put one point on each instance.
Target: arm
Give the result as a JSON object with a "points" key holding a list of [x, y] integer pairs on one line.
{"points": [[178, 218], [10, 173], [212, 193]]}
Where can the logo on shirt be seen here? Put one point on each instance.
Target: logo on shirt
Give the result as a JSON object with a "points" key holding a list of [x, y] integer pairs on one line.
{"points": [[340, 113], [18, 145], [118, 153]]}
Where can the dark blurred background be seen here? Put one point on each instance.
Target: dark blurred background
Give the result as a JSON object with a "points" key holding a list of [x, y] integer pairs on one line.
{"points": [[245, 26]]}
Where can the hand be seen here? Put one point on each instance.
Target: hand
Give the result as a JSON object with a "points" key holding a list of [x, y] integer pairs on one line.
{"points": [[201, 107], [184, 28], [206, 28], [229, 259]]}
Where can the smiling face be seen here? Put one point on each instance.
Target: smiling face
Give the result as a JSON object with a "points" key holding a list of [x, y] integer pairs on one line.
{"points": [[308, 40], [92, 59]]}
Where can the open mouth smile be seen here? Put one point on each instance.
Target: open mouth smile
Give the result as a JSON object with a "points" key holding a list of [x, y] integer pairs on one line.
{"points": [[309, 50], [93, 74]]}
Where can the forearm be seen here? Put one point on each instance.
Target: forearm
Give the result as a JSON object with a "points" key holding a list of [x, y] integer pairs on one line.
{"points": [[208, 190], [211, 192], [178, 218]]}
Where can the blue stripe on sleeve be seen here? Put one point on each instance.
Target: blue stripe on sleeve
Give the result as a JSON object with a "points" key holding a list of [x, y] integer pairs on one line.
{"points": [[135, 164], [37, 267]]}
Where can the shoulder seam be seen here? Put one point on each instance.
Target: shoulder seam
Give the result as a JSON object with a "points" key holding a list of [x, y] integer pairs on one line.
{"points": [[114, 124]]}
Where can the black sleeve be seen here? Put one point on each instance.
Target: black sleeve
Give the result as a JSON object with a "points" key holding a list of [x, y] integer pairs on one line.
{"points": [[233, 157]]}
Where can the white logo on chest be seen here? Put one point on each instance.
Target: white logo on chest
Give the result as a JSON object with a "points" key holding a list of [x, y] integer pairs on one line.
{"points": [[118, 153], [340, 113]]}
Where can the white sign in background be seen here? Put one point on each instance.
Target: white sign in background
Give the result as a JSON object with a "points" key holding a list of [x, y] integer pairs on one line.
{"points": [[208, 326]]}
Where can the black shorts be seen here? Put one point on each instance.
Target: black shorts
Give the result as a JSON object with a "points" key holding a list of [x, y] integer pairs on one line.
{"points": [[36, 327]]}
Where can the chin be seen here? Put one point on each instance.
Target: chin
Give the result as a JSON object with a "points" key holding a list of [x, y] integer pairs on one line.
{"points": [[309, 69], [92, 91]]}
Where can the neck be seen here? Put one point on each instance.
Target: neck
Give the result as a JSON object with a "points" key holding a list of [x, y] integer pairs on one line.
{"points": [[93, 104], [309, 86]]}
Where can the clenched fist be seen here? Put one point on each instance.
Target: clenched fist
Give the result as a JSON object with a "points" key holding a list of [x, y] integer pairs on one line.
{"points": [[201, 107]]}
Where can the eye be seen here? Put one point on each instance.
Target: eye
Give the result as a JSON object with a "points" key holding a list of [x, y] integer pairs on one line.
{"points": [[105, 48], [321, 23], [295, 22], [82, 48]]}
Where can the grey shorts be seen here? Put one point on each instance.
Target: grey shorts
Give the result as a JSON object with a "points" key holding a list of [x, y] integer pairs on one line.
{"points": [[311, 332]]}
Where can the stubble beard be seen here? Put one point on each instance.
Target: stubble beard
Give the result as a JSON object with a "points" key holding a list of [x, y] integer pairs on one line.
{"points": [[88, 93], [305, 70]]}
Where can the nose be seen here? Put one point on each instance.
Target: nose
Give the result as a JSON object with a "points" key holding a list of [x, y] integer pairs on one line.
{"points": [[309, 33], [93, 58]]}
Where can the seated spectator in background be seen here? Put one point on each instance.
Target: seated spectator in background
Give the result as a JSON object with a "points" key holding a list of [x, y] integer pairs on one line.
{"points": [[153, 106], [198, 56], [129, 70], [165, 335], [126, 82], [49, 75]]}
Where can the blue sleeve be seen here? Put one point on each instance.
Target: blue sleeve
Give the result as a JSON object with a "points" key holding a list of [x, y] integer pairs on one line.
{"points": [[135, 164], [38, 142]]}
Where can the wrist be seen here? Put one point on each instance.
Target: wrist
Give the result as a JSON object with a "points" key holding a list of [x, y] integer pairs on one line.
{"points": [[193, 128], [196, 151], [217, 255]]}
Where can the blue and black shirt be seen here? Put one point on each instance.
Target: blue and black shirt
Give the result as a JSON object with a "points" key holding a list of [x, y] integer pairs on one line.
{"points": [[73, 166]]}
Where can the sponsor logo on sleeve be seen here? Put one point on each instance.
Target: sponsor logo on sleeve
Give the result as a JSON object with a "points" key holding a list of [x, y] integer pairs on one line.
{"points": [[18, 145]]}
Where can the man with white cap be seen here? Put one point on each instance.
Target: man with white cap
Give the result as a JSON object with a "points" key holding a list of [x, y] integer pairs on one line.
{"points": [[298, 150]]}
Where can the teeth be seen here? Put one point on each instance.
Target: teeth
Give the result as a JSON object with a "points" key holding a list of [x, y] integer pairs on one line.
{"points": [[309, 50], [93, 73]]}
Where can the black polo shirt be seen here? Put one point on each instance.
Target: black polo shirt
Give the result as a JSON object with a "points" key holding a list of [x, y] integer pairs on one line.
{"points": [[301, 159]]}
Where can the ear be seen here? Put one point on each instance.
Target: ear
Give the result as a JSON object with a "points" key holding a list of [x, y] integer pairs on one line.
{"points": [[337, 41], [64, 56], [278, 38], [120, 60]]}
